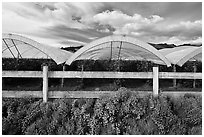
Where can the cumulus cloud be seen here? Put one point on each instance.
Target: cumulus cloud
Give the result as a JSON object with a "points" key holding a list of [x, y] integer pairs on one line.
{"points": [[187, 28], [152, 28], [123, 23], [82, 22], [183, 31], [180, 40]]}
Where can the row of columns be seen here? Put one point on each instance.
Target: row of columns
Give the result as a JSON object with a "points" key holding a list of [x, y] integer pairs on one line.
{"points": [[194, 81]]}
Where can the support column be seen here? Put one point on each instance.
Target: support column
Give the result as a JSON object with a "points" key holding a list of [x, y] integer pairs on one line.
{"points": [[174, 80], [62, 80], [82, 79], [194, 70], [155, 81], [45, 83]]}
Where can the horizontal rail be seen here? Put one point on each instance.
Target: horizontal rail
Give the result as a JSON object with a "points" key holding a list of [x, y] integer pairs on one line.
{"points": [[21, 94], [22, 74], [85, 94], [87, 74], [98, 74], [180, 75]]}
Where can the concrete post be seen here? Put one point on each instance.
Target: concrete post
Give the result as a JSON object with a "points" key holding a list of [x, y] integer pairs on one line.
{"points": [[155, 81], [45, 83]]}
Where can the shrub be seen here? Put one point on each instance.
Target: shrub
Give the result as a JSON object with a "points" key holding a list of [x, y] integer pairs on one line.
{"points": [[124, 112]]}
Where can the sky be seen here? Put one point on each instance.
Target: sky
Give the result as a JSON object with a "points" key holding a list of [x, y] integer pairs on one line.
{"points": [[72, 24]]}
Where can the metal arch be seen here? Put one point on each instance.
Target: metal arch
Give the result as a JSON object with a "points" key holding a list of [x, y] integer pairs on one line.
{"points": [[125, 51], [118, 38], [8, 48], [16, 48]]}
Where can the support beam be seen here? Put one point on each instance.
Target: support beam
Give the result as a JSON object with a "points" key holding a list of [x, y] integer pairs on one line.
{"points": [[45, 83], [155, 81]]}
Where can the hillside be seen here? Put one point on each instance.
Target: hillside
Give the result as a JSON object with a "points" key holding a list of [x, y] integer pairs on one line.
{"points": [[157, 46], [161, 46]]}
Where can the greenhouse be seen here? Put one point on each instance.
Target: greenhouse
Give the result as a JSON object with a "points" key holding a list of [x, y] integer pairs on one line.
{"points": [[119, 47], [16, 46], [180, 55]]}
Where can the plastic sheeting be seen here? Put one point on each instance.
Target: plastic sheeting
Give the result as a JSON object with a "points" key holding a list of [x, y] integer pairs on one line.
{"points": [[118, 47], [180, 55], [16, 46]]}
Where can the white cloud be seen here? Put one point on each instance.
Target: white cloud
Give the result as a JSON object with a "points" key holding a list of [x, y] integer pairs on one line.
{"points": [[152, 28], [185, 26], [38, 19], [125, 24], [180, 40]]}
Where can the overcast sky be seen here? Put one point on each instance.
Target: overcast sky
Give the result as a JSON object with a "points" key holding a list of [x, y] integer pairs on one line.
{"points": [[64, 24]]}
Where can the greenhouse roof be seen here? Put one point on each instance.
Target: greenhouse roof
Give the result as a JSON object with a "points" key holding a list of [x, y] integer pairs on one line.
{"points": [[180, 55], [119, 47], [16, 46]]}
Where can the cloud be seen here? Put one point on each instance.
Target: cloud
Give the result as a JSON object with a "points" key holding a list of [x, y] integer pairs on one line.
{"points": [[12, 22], [179, 31], [123, 23], [81, 35], [149, 27], [55, 23], [69, 14], [187, 29], [180, 40]]}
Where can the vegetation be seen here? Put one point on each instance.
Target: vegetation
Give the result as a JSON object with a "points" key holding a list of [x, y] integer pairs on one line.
{"points": [[90, 65], [93, 65], [124, 113]]}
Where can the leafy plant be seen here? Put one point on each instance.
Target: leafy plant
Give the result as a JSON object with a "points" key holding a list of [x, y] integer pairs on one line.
{"points": [[123, 113]]}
